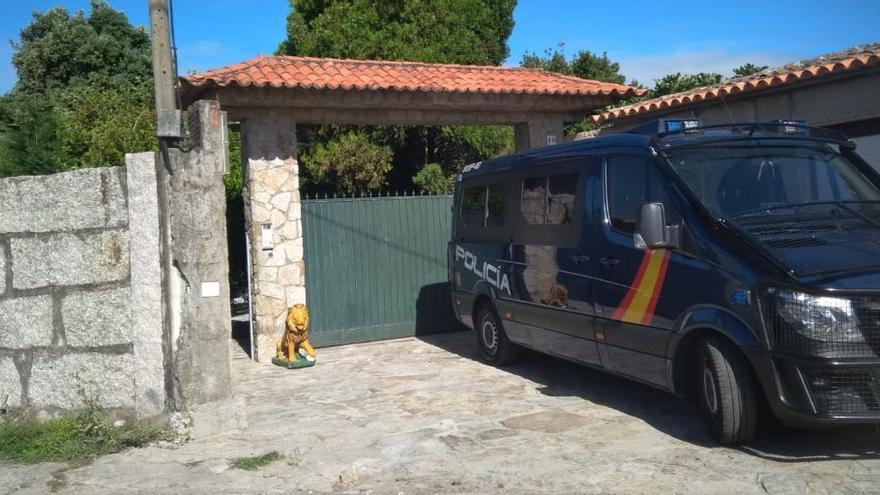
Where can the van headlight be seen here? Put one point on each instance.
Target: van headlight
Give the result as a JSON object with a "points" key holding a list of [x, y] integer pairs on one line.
{"points": [[821, 318]]}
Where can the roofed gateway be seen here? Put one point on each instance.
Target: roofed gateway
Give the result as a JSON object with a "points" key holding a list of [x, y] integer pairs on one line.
{"points": [[369, 92], [269, 96]]}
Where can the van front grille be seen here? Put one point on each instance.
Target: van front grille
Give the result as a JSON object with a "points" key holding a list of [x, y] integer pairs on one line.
{"points": [[845, 392]]}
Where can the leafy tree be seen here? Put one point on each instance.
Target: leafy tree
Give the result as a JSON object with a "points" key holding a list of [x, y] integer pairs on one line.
{"points": [[677, 82], [442, 31], [101, 125], [450, 31], [585, 64], [84, 93], [234, 180], [30, 137], [432, 180], [58, 50], [748, 69], [351, 162]]}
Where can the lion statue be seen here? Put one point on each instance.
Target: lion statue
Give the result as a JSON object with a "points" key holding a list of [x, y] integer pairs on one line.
{"points": [[296, 336]]}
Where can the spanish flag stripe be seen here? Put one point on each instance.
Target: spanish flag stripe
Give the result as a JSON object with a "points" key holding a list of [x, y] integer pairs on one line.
{"points": [[640, 300], [655, 297], [627, 299], [636, 309]]}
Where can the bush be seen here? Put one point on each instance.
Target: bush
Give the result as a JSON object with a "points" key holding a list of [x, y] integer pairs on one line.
{"points": [[432, 180], [350, 162]]}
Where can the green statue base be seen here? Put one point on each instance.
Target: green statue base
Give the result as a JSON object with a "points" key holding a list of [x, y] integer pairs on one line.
{"points": [[300, 362]]}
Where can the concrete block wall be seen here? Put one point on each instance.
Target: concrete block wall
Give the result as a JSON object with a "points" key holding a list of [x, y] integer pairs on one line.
{"points": [[68, 329]]}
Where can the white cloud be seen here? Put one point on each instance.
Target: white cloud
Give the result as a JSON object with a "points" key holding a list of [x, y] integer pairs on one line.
{"points": [[646, 68]]}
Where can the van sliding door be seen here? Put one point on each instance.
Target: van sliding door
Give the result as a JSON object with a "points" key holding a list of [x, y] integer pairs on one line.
{"points": [[552, 305]]}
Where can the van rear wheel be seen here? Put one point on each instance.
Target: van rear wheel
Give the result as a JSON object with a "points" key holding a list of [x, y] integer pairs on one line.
{"points": [[494, 346], [726, 392]]}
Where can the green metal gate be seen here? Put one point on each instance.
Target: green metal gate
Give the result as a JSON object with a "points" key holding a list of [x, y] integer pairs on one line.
{"points": [[376, 267]]}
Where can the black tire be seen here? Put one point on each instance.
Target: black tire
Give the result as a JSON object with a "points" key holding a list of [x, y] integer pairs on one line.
{"points": [[726, 392], [494, 346]]}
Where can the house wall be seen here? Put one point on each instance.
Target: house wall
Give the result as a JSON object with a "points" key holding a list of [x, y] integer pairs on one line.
{"points": [[821, 103], [78, 313]]}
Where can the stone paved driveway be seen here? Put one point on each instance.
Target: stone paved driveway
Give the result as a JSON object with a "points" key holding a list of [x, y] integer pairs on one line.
{"points": [[421, 416]]}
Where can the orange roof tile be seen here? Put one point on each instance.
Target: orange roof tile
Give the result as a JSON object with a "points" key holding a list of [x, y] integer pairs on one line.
{"points": [[328, 73], [854, 59]]}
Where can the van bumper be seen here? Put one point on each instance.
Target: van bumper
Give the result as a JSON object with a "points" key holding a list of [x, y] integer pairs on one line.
{"points": [[804, 392]]}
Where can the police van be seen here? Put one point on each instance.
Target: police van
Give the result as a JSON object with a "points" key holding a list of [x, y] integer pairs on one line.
{"points": [[738, 265]]}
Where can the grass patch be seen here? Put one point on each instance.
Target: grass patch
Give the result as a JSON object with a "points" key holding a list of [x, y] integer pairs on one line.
{"points": [[70, 439], [256, 462]]}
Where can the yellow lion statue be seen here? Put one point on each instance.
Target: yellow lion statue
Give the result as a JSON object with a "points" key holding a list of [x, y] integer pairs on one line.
{"points": [[296, 336]]}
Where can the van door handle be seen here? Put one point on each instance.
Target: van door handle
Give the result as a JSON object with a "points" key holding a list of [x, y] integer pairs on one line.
{"points": [[609, 261], [577, 259]]}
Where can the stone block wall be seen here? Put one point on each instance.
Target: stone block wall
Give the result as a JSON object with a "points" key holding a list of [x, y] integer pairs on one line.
{"points": [[68, 329]]}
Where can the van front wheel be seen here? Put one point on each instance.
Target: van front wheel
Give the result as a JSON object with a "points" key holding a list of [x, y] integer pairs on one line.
{"points": [[494, 346], [726, 392]]}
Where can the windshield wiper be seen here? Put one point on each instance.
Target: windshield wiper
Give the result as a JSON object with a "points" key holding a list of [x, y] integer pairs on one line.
{"points": [[770, 209]]}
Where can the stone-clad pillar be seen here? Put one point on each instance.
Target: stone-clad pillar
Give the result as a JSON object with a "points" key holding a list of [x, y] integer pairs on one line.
{"points": [[273, 215]]}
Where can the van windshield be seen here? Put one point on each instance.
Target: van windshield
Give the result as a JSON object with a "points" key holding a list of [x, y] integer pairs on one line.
{"points": [[735, 180]]}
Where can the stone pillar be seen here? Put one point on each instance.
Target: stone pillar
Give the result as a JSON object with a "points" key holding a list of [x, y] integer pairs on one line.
{"points": [[273, 215], [200, 321], [146, 283], [539, 130]]}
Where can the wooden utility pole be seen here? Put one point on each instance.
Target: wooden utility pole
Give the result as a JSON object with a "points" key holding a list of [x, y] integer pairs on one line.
{"points": [[164, 78]]}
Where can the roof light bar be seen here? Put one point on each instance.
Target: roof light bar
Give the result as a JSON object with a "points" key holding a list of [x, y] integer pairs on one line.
{"points": [[792, 126], [661, 126]]}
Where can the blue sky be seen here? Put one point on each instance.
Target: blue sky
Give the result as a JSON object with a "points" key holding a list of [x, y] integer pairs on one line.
{"points": [[648, 38]]}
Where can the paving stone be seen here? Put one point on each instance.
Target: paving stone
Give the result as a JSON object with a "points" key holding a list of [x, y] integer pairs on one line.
{"points": [[423, 416]]}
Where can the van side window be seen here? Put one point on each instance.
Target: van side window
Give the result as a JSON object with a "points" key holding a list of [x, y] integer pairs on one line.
{"points": [[495, 205], [483, 206], [560, 198], [473, 206], [549, 200], [532, 203], [632, 181]]}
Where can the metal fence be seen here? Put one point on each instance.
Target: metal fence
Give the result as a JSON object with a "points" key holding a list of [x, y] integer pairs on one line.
{"points": [[376, 267]]}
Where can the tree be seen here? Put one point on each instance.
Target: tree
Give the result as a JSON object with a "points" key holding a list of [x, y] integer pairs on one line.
{"points": [[30, 137], [59, 50], [84, 95], [432, 180], [444, 31], [351, 162], [585, 64], [436, 31], [748, 69], [677, 82]]}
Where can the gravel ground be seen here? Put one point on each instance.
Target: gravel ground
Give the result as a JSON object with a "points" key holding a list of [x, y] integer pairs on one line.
{"points": [[420, 415]]}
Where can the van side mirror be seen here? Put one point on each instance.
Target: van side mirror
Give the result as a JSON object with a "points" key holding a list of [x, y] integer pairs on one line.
{"points": [[651, 230]]}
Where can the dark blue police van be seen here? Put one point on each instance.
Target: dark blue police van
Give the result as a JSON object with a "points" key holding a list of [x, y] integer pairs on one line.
{"points": [[735, 264]]}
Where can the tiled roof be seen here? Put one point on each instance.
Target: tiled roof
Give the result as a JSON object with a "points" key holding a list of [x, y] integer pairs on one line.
{"points": [[328, 73], [853, 59]]}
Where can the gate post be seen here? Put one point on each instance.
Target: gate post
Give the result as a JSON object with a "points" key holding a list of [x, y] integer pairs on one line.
{"points": [[273, 216]]}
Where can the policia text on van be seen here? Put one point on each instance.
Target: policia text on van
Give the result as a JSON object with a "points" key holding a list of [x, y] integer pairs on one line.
{"points": [[735, 263]]}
